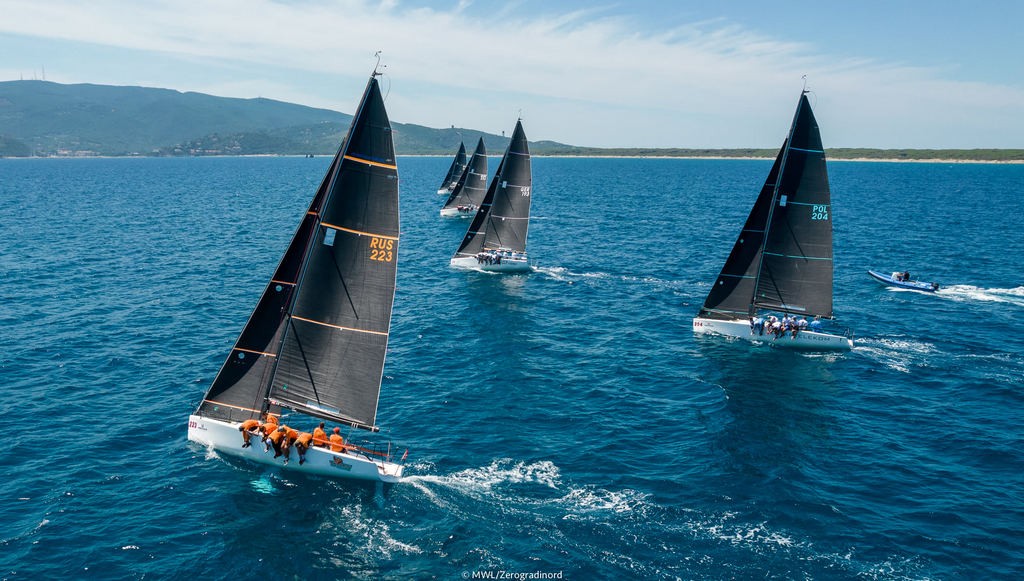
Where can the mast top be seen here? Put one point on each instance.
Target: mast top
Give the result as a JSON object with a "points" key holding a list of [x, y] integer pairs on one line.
{"points": [[376, 67]]}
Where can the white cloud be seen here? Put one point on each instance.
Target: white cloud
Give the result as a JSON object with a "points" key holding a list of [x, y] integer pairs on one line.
{"points": [[581, 77]]}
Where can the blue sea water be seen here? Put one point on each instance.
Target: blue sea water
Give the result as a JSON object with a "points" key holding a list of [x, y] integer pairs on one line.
{"points": [[561, 422]]}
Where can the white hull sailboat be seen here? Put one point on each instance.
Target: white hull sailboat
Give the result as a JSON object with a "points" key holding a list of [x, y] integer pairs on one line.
{"points": [[454, 171], [802, 339], [781, 263], [470, 188], [313, 349], [459, 211], [496, 238], [494, 262], [354, 462]]}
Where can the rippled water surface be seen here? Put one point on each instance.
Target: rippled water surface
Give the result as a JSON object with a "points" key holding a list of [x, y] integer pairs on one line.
{"points": [[562, 421]]}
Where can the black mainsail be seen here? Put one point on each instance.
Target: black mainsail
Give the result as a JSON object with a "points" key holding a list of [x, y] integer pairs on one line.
{"points": [[316, 341], [503, 219], [782, 259], [458, 166], [472, 185]]}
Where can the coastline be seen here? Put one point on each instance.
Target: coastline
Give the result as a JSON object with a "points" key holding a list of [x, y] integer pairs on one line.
{"points": [[558, 156]]}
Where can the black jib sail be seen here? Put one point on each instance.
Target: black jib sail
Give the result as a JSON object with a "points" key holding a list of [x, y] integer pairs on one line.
{"points": [[316, 341], [503, 219], [782, 260], [472, 185], [458, 166]]}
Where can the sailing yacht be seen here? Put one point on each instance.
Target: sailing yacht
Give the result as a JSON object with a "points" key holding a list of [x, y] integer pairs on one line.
{"points": [[496, 238], [313, 348], [469, 191], [456, 169], [780, 267]]}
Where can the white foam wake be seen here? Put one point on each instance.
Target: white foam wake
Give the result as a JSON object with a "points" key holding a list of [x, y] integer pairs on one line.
{"points": [[965, 293]]}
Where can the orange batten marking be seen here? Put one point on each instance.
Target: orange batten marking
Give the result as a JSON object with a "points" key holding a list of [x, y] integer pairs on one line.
{"points": [[373, 163], [358, 232], [255, 352], [338, 326]]}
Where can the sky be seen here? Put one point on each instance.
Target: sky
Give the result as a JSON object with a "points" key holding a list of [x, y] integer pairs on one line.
{"points": [[886, 74]]}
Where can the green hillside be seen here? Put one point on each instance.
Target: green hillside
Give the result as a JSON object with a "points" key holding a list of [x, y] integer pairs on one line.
{"points": [[51, 118], [44, 118], [41, 118]]}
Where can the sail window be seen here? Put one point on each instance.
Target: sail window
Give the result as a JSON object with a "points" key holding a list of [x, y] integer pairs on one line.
{"points": [[782, 200], [241, 355], [329, 237]]}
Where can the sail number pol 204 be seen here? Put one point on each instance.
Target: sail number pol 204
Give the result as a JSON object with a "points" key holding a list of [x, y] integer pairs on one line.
{"points": [[382, 249], [819, 212]]}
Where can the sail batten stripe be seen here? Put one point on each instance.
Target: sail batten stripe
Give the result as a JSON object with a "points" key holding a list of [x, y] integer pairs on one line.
{"points": [[791, 203], [339, 327], [283, 282], [254, 352], [358, 232], [798, 256], [369, 162], [807, 150], [237, 407], [738, 275]]}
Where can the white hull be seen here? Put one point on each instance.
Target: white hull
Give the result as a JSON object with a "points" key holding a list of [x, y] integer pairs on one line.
{"points": [[225, 438], [452, 212], [805, 339], [506, 264]]}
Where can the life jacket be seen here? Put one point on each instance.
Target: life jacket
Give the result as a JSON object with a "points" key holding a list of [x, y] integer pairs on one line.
{"points": [[337, 443], [250, 425], [319, 437]]}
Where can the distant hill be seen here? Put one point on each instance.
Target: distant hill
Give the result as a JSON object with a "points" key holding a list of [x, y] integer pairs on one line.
{"points": [[41, 118], [44, 118]]}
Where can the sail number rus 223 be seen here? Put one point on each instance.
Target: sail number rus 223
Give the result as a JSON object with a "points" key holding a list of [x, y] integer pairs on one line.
{"points": [[382, 249]]}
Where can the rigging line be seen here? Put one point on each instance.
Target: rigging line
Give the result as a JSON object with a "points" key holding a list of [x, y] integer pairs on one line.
{"points": [[305, 361], [338, 327], [341, 279], [775, 287], [372, 163], [357, 232]]}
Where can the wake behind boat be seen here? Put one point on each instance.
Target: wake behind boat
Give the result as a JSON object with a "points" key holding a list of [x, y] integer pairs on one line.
{"points": [[780, 268], [903, 280], [313, 348], [496, 238]]}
